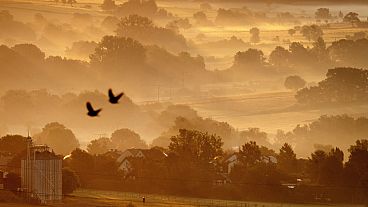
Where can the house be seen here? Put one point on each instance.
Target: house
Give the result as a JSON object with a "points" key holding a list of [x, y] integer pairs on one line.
{"points": [[130, 153], [2, 179], [269, 159], [231, 160], [5, 157], [125, 159]]}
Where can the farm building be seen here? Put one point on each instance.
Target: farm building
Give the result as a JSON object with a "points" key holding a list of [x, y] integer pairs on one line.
{"points": [[41, 174]]}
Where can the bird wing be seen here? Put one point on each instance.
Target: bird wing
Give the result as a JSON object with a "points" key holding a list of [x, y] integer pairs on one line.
{"points": [[120, 95], [89, 106], [111, 95]]}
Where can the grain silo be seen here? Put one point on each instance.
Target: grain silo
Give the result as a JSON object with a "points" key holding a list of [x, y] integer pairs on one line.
{"points": [[41, 174]]}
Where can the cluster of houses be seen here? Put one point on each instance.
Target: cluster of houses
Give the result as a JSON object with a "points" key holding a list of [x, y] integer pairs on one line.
{"points": [[227, 163], [41, 171]]}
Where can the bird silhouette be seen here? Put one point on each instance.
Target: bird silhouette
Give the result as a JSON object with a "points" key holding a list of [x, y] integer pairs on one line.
{"points": [[91, 111], [114, 99]]}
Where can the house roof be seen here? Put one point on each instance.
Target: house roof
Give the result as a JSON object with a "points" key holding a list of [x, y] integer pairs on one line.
{"points": [[227, 157], [134, 151], [154, 154]]}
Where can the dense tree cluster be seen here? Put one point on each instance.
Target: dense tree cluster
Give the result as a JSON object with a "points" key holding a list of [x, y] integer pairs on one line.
{"points": [[245, 16], [147, 8], [312, 32], [195, 160], [341, 86], [301, 60], [348, 53], [341, 130], [138, 27]]}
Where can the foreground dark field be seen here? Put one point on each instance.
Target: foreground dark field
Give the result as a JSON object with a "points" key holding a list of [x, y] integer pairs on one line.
{"points": [[98, 198]]}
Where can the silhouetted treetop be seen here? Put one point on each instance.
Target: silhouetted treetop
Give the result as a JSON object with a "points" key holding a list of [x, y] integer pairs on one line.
{"points": [[342, 85], [143, 30], [59, 138], [118, 50]]}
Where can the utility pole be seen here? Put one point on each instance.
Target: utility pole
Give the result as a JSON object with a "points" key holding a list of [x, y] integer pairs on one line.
{"points": [[158, 92], [183, 79]]}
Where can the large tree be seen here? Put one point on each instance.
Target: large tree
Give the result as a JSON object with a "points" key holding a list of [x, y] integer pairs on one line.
{"points": [[279, 57], [123, 139], [114, 51], [352, 18], [70, 181], [59, 138], [145, 31], [256, 135], [294, 82], [357, 166], [326, 167], [254, 38], [323, 13], [252, 57], [312, 32], [249, 154], [191, 145], [192, 158], [287, 159], [100, 146], [13, 143]]}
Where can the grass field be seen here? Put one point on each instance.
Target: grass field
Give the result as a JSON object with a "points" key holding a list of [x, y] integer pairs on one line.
{"points": [[98, 198], [111, 198]]}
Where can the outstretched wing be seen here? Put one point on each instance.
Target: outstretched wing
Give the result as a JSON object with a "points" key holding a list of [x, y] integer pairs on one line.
{"points": [[89, 106], [111, 95], [119, 96]]}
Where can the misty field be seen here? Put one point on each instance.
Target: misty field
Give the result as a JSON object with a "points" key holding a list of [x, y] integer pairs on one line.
{"points": [[25, 10], [270, 110]]}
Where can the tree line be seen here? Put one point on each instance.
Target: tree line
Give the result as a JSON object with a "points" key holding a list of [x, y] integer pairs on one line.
{"points": [[195, 165]]}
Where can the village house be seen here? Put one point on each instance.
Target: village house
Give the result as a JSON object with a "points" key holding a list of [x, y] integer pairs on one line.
{"points": [[125, 159], [5, 157], [231, 160]]}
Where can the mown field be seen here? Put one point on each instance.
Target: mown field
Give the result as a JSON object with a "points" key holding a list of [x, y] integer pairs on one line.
{"points": [[111, 198], [97, 198]]}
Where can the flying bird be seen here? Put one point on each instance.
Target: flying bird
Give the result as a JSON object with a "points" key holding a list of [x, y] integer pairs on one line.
{"points": [[114, 99], [91, 111]]}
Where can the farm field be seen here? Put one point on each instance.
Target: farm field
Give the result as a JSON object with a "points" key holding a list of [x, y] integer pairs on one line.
{"points": [[99, 198], [166, 200], [268, 111]]}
